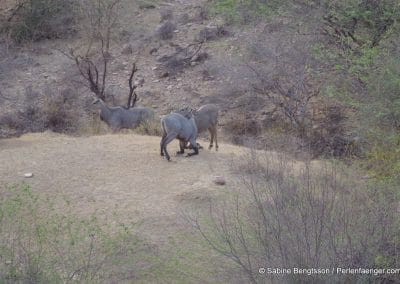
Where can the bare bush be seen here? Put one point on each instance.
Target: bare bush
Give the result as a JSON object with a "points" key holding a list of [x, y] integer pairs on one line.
{"points": [[242, 128], [313, 216], [58, 111], [183, 58], [166, 30], [212, 33], [61, 112], [287, 76], [184, 19], [40, 19], [100, 20], [328, 135], [10, 125], [166, 15], [202, 14]]}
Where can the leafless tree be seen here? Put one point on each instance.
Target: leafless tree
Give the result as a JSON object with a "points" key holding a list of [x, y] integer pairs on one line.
{"points": [[102, 18], [96, 80], [290, 94]]}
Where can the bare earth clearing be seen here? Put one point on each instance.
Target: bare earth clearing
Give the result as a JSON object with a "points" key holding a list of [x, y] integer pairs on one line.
{"points": [[121, 173]]}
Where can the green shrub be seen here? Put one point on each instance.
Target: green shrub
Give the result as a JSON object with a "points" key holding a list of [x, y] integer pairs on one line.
{"points": [[235, 11], [41, 244]]}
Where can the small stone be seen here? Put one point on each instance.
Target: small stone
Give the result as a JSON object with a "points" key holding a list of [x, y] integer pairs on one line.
{"points": [[156, 81], [28, 175], [154, 68], [164, 75], [219, 180]]}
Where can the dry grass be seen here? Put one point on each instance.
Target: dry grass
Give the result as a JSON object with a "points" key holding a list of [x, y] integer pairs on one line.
{"points": [[152, 128]]}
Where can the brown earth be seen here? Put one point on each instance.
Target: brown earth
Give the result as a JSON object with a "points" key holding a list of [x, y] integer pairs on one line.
{"points": [[122, 173]]}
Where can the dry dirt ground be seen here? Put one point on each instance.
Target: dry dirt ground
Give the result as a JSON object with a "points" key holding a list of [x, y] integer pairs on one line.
{"points": [[121, 173]]}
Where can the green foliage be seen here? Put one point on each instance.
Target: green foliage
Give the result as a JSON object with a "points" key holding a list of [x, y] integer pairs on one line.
{"points": [[39, 244], [362, 52], [236, 11], [379, 109], [383, 159], [365, 22]]}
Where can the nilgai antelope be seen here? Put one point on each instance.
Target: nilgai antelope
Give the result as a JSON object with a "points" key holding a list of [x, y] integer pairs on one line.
{"points": [[182, 127], [206, 118], [119, 117]]}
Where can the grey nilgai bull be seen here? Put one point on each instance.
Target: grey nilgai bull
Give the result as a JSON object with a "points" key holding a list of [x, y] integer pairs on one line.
{"points": [[119, 117], [182, 127], [206, 118]]}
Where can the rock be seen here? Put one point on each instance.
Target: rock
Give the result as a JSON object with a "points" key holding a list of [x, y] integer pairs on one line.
{"points": [[164, 74], [154, 68], [28, 175], [219, 180]]}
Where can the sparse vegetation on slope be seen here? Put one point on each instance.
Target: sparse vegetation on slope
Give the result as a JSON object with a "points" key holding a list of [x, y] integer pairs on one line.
{"points": [[316, 216], [313, 79]]}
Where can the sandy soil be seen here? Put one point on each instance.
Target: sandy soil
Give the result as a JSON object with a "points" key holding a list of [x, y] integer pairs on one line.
{"points": [[121, 173]]}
